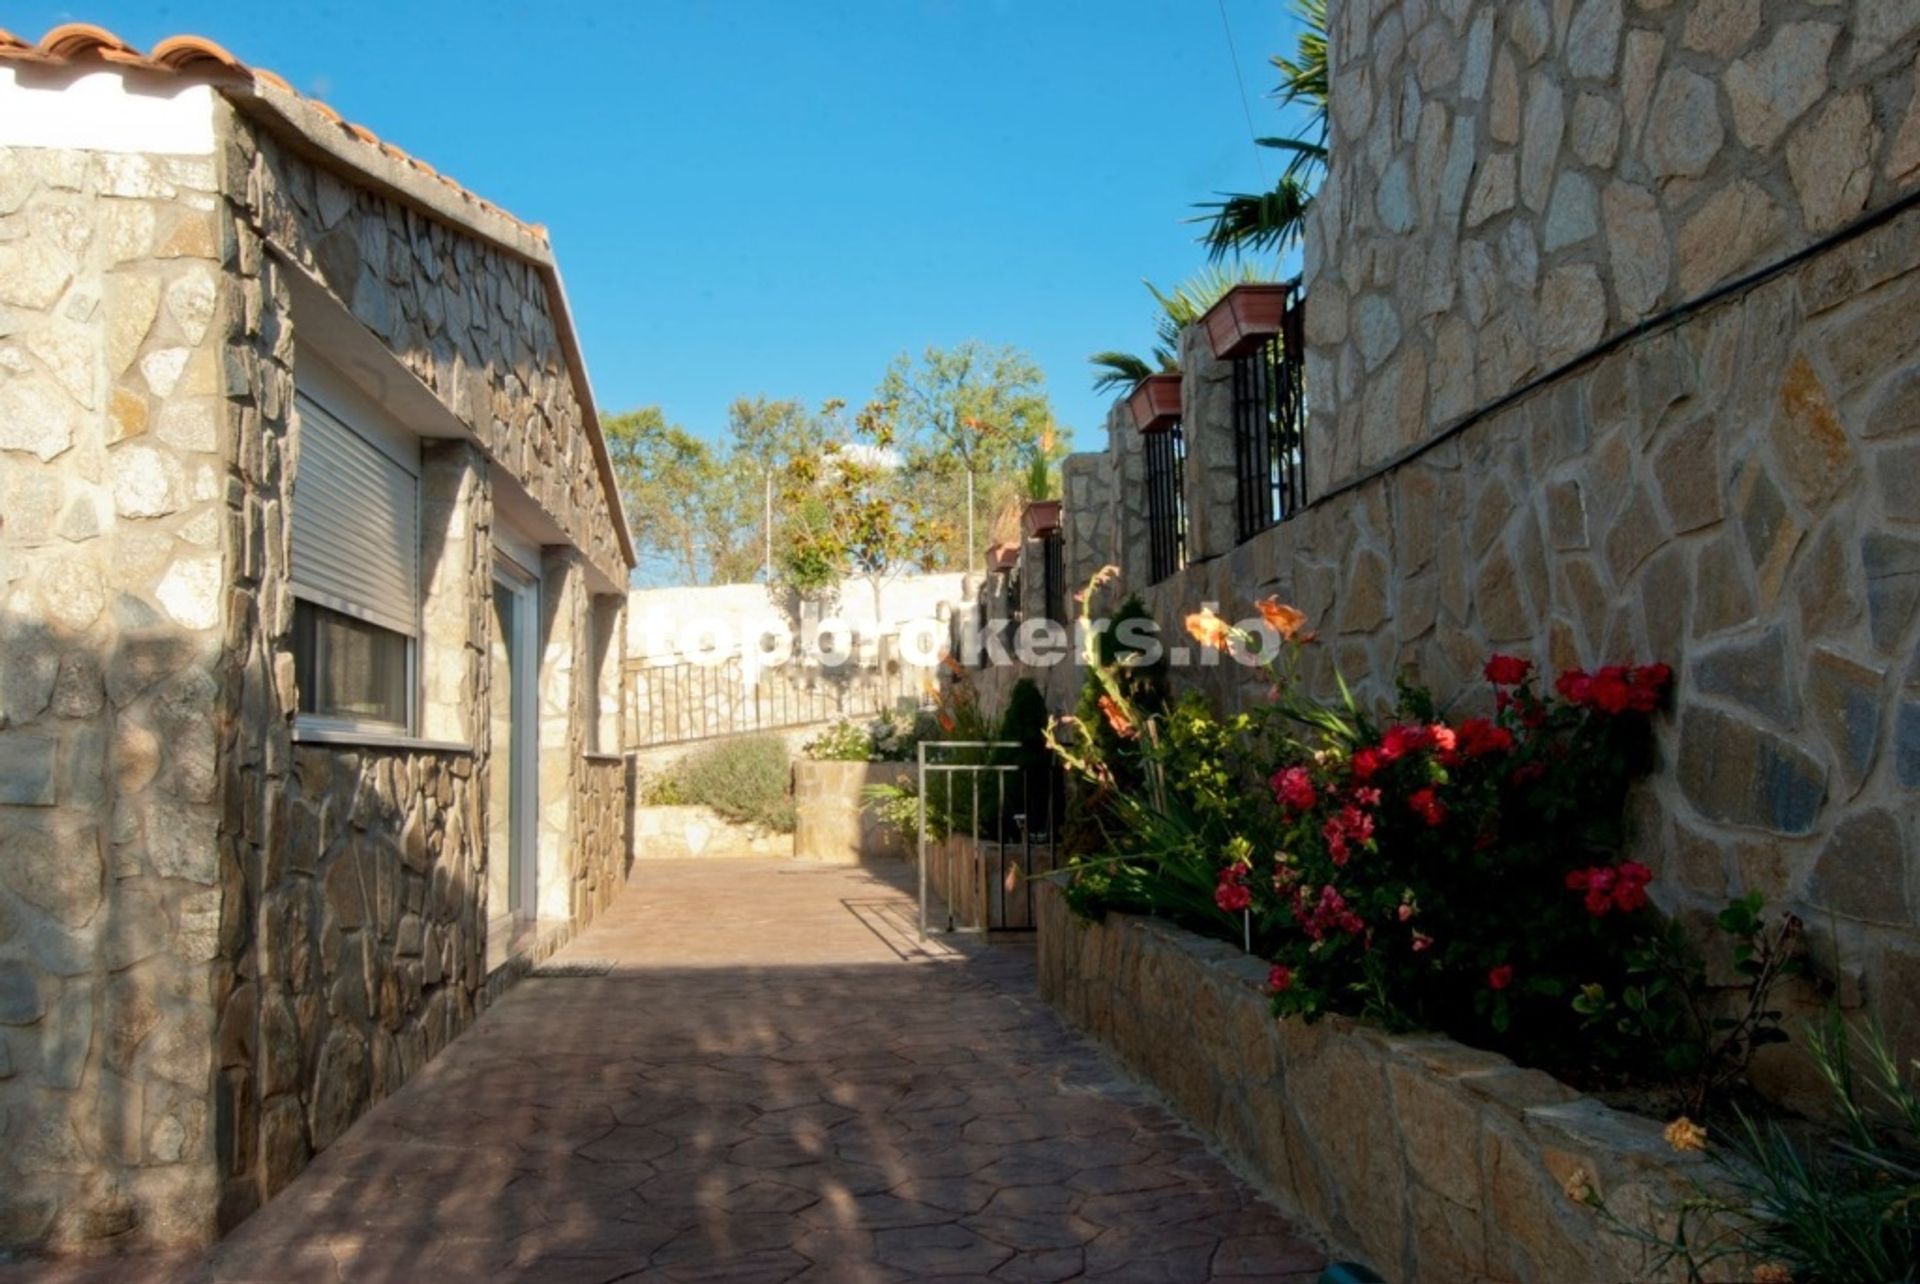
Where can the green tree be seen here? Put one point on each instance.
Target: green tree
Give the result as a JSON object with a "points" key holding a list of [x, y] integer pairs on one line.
{"points": [[1272, 220], [972, 417], [766, 436], [699, 510], [852, 510], [682, 513]]}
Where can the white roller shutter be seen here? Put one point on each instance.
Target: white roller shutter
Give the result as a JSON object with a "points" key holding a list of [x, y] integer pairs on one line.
{"points": [[356, 524]]}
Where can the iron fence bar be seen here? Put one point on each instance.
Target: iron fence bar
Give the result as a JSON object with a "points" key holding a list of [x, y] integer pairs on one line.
{"points": [[920, 794]]}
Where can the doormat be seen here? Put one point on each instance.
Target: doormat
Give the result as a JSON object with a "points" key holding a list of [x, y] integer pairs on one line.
{"points": [[571, 969]]}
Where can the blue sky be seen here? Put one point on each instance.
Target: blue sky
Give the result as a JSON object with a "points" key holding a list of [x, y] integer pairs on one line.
{"points": [[776, 197]]}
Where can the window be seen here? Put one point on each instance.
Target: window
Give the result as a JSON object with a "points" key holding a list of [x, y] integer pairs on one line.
{"points": [[1166, 451], [356, 574], [1268, 411], [349, 670]]}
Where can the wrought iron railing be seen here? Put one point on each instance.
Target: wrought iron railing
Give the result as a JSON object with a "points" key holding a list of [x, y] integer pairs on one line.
{"points": [[663, 704], [1269, 412], [1166, 452]]}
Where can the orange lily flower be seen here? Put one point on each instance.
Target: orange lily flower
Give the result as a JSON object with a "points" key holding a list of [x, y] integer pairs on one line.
{"points": [[1289, 622], [1209, 629]]}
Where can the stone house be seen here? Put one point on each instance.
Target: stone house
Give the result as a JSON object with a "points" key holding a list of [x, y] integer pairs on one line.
{"points": [[312, 580], [1612, 352]]}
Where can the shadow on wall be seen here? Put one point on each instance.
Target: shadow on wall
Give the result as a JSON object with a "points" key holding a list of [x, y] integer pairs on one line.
{"points": [[110, 928]]}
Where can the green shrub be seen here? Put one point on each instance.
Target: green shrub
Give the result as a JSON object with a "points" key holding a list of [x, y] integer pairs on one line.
{"points": [[662, 789], [747, 780], [888, 738], [844, 741], [1025, 719]]}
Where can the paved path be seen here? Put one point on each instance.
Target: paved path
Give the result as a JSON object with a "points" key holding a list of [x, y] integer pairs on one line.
{"points": [[772, 1083]]}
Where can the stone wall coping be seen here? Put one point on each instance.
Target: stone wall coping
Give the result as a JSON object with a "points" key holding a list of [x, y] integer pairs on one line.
{"points": [[346, 739], [597, 756]]}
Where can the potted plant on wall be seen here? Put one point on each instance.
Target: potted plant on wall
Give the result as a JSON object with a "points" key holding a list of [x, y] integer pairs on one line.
{"points": [[1154, 402], [1179, 308], [1040, 515], [1246, 317]]}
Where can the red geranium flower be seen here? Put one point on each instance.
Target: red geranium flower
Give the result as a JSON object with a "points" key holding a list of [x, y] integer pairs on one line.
{"points": [[1366, 762], [1646, 685], [1293, 787], [1508, 670], [1620, 887], [1500, 976], [1402, 739], [1479, 737], [1630, 888], [1232, 893], [1280, 979], [1574, 686], [1427, 805], [1328, 913], [1609, 691]]}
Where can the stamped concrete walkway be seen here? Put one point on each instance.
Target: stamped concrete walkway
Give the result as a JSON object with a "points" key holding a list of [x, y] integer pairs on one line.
{"points": [[773, 1082]]}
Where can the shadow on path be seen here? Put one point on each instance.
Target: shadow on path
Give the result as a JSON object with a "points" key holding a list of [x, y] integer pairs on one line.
{"points": [[773, 1081]]}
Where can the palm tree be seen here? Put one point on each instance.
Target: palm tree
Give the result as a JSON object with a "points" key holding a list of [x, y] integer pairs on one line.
{"points": [[1179, 308], [1270, 221]]}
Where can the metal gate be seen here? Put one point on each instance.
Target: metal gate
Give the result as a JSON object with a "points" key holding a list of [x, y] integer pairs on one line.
{"points": [[990, 813]]}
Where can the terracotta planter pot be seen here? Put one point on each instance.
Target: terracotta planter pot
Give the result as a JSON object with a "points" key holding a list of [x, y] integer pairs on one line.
{"points": [[1003, 557], [1155, 402], [1246, 317], [1041, 517]]}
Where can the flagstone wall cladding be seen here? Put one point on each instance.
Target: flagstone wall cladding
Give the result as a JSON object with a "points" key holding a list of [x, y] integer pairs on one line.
{"points": [[1511, 182], [1735, 491], [112, 694], [472, 322], [1738, 496], [355, 878], [218, 947]]}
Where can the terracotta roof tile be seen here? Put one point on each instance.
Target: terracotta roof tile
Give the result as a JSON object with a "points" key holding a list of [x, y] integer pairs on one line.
{"points": [[196, 56]]}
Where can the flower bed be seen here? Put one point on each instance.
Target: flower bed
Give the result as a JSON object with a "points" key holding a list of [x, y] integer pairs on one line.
{"points": [[1424, 867], [1426, 1159]]}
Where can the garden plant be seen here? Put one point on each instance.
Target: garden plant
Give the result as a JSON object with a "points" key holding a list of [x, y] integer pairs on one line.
{"points": [[1424, 870]]}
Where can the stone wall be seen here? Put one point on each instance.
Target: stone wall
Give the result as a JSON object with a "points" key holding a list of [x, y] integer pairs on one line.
{"points": [[602, 845], [832, 822], [356, 877], [1423, 1158], [114, 704], [471, 321], [1512, 182], [700, 833], [1737, 496], [1735, 490]]}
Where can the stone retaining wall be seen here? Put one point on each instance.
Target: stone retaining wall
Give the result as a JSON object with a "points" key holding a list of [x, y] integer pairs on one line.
{"points": [[833, 823], [1426, 1159], [700, 833]]}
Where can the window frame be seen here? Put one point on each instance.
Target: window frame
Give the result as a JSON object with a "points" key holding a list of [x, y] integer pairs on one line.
{"points": [[387, 440]]}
